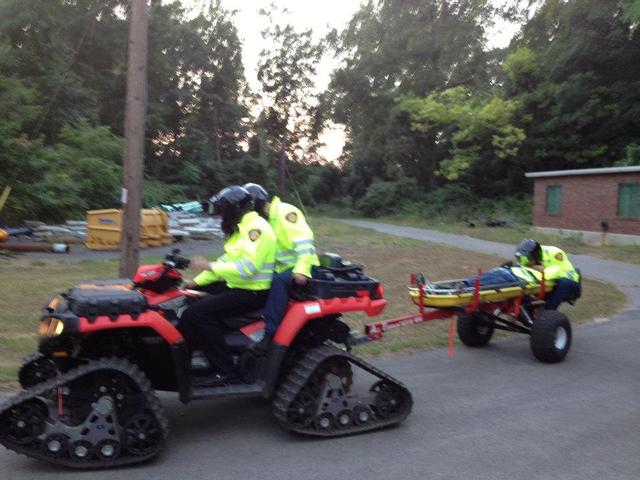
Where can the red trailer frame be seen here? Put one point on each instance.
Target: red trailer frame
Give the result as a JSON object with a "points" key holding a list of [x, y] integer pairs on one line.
{"points": [[511, 308]]}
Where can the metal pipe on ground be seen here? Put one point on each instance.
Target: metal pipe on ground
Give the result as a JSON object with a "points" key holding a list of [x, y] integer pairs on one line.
{"points": [[35, 247], [15, 231]]}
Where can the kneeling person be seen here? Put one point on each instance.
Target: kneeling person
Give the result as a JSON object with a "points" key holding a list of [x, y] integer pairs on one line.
{"points": [[238, 281], [295, 257], [556, 267]]}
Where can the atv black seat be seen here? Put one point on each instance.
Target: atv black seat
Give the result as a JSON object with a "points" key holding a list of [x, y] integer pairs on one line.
{"points": [[111, 299], [239, 321]]}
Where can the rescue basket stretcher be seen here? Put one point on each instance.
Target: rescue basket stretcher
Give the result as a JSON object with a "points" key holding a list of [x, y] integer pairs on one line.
{"points": [[455, 293]]}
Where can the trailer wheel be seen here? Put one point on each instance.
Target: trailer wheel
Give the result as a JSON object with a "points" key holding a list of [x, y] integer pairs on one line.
{"points": [[551, 336], [474, 329]]}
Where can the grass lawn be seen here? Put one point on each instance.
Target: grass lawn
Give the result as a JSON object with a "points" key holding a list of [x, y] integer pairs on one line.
{"points": [[515, 233], [27, 284]]}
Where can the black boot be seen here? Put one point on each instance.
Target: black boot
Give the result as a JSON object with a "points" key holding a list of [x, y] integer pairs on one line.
{"points": [[260, 348]]}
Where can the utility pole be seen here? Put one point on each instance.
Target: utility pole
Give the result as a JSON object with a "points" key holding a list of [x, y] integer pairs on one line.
{"points": [[134, 138]]}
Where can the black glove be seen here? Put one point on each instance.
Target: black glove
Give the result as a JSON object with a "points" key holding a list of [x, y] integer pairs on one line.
{"points": [[508, 264]]}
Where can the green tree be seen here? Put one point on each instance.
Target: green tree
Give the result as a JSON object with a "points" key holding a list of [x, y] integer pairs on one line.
{"points": [[575, 76], [213, 122], [478, 131], [393, 48], [286, 73]]}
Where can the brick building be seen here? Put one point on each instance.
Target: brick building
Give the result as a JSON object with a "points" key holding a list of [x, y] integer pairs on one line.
{"points": [[598, 204]]}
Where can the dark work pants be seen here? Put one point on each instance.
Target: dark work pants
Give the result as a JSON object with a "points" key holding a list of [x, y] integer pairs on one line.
{"points": [[564, 290], [278, 301], [495, 276], [204, 321]]}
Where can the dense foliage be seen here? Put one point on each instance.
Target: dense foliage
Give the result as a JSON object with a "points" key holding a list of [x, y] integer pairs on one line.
{"points": [[424, 98], [433, 115]]}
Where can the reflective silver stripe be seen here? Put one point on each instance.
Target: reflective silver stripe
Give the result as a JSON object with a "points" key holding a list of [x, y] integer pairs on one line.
{"points": [[307, 241], [262, 276], [307, 251], [267, 266], [240, 268], [248, 264], [288, 262]]}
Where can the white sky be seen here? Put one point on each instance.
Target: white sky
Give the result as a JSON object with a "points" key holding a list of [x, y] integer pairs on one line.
{"points": [[321, 16]]}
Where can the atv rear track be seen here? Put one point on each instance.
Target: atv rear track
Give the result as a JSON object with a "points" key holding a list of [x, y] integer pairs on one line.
{"points": [[316, 397]]}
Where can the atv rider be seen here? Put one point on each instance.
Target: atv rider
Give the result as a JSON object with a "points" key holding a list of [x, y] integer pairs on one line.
{"points": [[296, 255], [556, 267], [237, 282]]}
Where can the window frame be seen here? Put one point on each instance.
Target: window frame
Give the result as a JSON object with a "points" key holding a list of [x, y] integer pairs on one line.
{"points": [[548, 204], [631, 212]]}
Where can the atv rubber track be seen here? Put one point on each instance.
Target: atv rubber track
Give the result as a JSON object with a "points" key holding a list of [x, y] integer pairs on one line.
{"points": [[93, 366], [297, 379]]}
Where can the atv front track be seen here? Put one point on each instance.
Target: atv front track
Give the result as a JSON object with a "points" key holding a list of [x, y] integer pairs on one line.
{"points": [[317, 396], [101, 414]]}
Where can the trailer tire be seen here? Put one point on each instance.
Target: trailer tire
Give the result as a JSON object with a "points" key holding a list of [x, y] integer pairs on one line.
{"points": [[474, 329], [550, 336]]}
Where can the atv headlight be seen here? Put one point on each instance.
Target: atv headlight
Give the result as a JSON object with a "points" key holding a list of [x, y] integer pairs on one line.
{"points": [[50, 327]]}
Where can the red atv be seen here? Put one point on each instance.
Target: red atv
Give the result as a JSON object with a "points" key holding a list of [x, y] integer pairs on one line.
{"points": [[89, 396]]}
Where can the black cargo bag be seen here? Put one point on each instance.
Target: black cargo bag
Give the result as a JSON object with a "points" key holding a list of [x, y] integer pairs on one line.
{"points": [[93, 299], [337, 278]]}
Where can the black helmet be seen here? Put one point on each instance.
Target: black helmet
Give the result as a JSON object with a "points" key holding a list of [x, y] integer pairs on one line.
{"points": [[259, 195], [231, 203], [531, 250]]}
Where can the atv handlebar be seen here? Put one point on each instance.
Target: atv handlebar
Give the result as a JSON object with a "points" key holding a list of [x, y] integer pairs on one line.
{"points": [[175, 260]]}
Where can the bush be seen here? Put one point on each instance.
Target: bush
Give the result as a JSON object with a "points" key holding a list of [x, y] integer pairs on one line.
{"points": [[454, 203], [55, 183], [157, 192], [386, 197]]}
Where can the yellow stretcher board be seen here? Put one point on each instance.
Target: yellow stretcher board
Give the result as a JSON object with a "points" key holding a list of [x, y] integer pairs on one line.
{"points": [[437, 295]]}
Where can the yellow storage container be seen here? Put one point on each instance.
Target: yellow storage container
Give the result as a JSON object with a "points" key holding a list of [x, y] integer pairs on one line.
{"points": [[104, 229], [150, 222]]}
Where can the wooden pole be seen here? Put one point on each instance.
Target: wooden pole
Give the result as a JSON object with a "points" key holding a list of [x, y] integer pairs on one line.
{"points": [[134, 138]]}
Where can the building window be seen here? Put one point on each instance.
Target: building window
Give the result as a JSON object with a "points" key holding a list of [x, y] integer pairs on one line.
{"points": [[628, 200], [554, 199]]}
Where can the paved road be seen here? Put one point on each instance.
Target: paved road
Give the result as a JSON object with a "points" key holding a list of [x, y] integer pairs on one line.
{"points": [[492, 413], [625, 276]]}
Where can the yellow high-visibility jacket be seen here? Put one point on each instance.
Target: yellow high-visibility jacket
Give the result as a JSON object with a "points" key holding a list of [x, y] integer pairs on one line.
{"points": [[249, 257], [529, 276], [296, 245], [557, 265]]}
